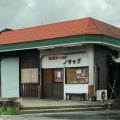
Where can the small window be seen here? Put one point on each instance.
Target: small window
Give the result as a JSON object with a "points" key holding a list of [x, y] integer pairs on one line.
{"points": [[58, 75], [78, 75]]}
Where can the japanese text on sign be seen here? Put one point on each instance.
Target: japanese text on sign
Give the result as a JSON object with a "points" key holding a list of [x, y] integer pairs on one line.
{"points": [[69, 61], [57, 57]]}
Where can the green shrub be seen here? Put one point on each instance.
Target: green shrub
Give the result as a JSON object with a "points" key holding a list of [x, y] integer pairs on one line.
{"points": [[9, 111]]}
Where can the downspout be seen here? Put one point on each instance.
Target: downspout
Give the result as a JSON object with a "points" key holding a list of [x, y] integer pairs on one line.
{"points": [[98, 77], [97, 70]]}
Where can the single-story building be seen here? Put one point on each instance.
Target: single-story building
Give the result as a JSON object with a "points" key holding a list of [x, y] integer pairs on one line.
{"points": [[55, 60]]}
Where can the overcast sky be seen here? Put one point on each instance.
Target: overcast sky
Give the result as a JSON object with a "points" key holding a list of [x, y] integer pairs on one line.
{"points": [[17, 14]]}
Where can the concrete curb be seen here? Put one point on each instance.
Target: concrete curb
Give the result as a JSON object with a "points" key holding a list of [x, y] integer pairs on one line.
{"points": [[57, 109], [61, 110]]}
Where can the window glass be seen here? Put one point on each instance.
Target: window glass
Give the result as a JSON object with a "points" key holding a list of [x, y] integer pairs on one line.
{"points": [[58, 75], [78, 75]]}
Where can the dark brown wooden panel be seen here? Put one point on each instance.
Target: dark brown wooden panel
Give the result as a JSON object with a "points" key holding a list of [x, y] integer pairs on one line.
{"points": [[70, 75], [47, 90], [58, 90], [100, 55], [47, 76], [29, 90], [29, 62]]}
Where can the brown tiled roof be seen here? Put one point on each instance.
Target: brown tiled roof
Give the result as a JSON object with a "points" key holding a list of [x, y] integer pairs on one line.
{"points": [[58, 30]]}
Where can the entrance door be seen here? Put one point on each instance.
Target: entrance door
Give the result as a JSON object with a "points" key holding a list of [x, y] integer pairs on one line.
{"points": [[10, 77], [53, 83]]}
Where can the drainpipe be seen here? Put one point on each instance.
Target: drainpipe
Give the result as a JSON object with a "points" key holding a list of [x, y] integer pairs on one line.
{"points": [[98, 78], [97, 70]]}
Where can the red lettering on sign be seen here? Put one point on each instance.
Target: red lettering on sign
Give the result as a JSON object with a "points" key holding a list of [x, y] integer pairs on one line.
{"points": [[57, 57]]}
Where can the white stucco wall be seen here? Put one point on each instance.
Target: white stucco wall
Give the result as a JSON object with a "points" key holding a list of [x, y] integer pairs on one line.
{"points": [[87, 59]]}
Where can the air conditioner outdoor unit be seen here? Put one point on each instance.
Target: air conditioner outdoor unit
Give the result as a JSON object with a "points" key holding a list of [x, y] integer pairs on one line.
{"points": [[101, 95]]}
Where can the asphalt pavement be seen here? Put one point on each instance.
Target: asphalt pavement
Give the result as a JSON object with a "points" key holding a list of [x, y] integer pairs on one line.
{"points": [[88, 115]]}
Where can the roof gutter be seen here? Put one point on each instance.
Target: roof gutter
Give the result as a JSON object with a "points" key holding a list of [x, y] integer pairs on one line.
{"points": [[62, 45], [67, 42]]}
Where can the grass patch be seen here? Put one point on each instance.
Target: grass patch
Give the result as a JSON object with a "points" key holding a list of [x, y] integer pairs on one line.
{"points": [[9, 111]]}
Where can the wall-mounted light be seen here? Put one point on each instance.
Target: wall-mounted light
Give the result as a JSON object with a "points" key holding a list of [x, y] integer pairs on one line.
{"points": [[72, 45], [44, 48], [59, 45]]}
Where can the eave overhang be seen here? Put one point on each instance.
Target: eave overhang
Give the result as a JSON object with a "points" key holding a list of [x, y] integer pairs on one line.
{"points": [[58, 42]]}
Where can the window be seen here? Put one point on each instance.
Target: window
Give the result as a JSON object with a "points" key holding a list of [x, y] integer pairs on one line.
{"points": [[58, 75], [78, 75]]}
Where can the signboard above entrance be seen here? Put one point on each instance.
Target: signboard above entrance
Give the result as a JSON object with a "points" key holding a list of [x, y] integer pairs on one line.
{"points": [[62, 60]]}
